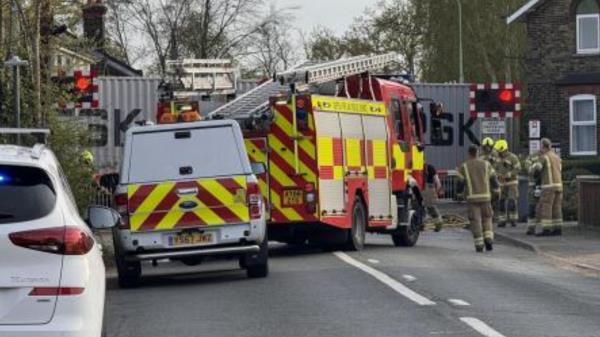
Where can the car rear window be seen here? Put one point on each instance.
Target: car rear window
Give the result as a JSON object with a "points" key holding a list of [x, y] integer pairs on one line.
{"points": [[26, 193], [184, 154]]}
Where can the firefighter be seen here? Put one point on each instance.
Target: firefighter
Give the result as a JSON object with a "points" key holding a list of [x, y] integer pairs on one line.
{"points": [[489, 154], [479, 181], [430, 196], [534, 191], [507, 167], [549, 207]]}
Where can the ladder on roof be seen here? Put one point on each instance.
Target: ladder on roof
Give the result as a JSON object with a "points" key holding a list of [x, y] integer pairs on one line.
{"points": [[256, 101]]}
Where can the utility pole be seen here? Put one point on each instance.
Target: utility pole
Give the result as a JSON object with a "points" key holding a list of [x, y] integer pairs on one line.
{"points": [[460, 47], [15, 63]]}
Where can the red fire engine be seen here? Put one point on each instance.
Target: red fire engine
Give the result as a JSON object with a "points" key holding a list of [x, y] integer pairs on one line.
{"points": [[343, 150]]}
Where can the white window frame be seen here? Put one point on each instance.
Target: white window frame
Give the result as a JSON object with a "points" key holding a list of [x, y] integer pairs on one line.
{"points": [[588, 50], [593, 122]]}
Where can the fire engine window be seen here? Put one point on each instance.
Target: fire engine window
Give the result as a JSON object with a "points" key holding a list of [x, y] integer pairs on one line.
{"points": [[413, 121], [397, 113]]}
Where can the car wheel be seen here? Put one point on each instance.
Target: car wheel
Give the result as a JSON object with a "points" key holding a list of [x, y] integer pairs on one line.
{"points": [[356, 241], [130, 273], [257, 265]]}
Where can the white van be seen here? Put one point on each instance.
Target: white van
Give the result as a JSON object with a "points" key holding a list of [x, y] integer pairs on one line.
{"points": [[187, 191]]}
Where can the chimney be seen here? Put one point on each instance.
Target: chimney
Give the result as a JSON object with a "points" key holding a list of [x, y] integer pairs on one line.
{"points": [[93, 22]]}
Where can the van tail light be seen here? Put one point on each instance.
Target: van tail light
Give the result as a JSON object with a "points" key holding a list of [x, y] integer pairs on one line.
{"points": [[310, 198], [254, 199], [62, 291], [56, 240], [121, 203]]}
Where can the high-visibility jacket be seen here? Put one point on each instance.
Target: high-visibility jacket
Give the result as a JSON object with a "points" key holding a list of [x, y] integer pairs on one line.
{"points": [[534, 176], [508, 167], [477, 175], [550, 167]]}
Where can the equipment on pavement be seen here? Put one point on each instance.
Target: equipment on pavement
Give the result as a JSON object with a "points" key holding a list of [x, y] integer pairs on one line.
{"points": [[343, 150]]}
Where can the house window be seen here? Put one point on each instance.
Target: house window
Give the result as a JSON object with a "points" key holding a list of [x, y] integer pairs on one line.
{"points": [[588, 27], [583, 125]]}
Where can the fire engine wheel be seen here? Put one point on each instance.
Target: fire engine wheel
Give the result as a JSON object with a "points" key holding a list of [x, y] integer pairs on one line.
{"points": [[356, 241], [130, 273], [407, 236]]}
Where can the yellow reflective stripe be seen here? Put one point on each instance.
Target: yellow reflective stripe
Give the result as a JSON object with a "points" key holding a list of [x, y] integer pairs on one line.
{"points": [[552, 185], [398, 157], [488, 235], [379, 153], [549, 169], [325, 149], [468, 178], [288, 156], [289, 213], [418, 158], [131, 189], [227, 199], [149, 205], [353, 152], [287, 127], [510, 183]]}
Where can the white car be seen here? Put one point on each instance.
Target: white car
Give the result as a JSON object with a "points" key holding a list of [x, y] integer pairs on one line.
{"points": [[52, 277]]}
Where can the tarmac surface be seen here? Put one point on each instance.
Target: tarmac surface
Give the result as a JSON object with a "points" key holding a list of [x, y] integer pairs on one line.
{"points": [[441, 287]]}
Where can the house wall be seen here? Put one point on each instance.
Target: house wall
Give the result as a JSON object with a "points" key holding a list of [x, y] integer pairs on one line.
{"points": [[552, 55]]}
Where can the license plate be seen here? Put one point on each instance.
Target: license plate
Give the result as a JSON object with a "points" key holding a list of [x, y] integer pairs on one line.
{"points": [[293, 197], [188, 239]]}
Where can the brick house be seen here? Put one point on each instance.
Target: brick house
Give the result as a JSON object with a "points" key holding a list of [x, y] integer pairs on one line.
{"points": [[563, 71]]}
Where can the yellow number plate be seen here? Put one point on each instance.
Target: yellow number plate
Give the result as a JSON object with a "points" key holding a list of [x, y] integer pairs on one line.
{"points": [[187, 239], [293, 197]]}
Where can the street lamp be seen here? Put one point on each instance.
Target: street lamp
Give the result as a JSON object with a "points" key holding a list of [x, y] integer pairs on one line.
{"points": [[460, 39], [16, 63]]}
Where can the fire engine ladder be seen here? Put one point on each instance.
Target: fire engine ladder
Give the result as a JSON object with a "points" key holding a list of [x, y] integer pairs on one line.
{"points": [[255, 103]]}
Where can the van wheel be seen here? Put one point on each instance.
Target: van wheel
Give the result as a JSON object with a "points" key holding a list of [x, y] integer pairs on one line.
{"points": [[356, 241], [130, 273], [407, 236], [257, 265]]}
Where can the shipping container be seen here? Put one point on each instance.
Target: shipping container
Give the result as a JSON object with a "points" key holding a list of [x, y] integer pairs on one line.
{"points": [[458, 129], [122, 102]]}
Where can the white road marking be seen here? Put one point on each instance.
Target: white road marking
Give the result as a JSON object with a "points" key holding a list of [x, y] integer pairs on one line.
{"points": [[373, 261], [385, 279], [459, 303], [481, 327], [409, 278]]}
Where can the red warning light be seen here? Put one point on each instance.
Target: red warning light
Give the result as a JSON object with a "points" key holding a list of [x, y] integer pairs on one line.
{"points": [[506, 96], [82, 83]]}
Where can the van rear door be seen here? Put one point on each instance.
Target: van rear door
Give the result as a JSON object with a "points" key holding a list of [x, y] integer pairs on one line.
{"points": [[187, 178]]}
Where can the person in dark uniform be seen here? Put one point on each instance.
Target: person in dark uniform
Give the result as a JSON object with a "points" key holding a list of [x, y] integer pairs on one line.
{"points": [[430, 196]]}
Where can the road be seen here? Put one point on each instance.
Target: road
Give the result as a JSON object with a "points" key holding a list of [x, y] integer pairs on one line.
{"points": [[439, 288]]}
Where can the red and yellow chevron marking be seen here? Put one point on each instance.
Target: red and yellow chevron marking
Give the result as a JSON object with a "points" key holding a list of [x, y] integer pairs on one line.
{"points": [[158, 206], [258, 153], [283, 160]]}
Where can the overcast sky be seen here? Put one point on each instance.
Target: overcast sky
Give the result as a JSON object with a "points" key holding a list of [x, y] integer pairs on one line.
{"points": [[334, 14]]}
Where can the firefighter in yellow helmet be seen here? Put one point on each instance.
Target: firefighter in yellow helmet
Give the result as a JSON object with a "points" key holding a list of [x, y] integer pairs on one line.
{"points": [[87, 158], [478, 179], [507, 167], [489, 154], [549, 208]]}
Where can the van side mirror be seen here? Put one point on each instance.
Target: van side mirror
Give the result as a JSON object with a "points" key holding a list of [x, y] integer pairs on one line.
{"points": [[100, 217], [258, 168]]}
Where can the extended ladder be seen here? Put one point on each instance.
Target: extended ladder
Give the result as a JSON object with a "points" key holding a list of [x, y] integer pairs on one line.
{"points": [[256, 101]]}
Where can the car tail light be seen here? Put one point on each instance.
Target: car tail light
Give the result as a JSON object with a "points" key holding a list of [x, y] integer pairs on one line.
{"points": [[310, 198], [121, 202], [56, 240], [254, 199], [63, 291]]}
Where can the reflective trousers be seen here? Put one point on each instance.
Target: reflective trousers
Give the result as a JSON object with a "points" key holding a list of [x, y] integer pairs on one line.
{"points": [[507, 205], [480, 216], [549, 209]]}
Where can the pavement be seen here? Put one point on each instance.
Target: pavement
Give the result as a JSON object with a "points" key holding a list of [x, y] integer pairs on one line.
{"points": [[578, 247], [440, 287]]}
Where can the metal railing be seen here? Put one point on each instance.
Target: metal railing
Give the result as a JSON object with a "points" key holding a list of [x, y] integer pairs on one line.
{"points": [[448, 180]]}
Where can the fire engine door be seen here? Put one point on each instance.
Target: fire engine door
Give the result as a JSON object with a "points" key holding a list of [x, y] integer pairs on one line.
{"points": [[259, 153], [376, 140], [330, 162]]}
